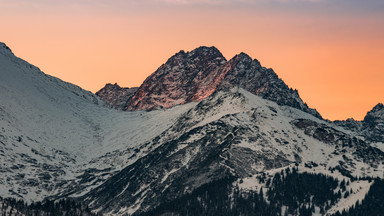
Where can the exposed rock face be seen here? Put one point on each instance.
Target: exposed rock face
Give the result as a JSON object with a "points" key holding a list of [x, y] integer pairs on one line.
{"points": [[232, 133], [185, 77], [248, 74], [191, 154], [350, 124], [116, 96], [373, 123], [375, 116], [195, 75], [340, 140], [60, 141], [372, 127], [5, 50]]}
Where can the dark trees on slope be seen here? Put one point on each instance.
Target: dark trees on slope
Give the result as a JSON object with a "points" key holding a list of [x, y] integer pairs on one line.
{"points": [[10, 206], [296, 193]]}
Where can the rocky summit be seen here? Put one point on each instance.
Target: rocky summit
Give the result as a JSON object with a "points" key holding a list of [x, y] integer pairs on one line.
{"points": [[193, 76], [116, 96], [185, 77], [371, 127]]}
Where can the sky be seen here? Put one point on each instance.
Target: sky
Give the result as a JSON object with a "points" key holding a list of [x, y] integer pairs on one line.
{"points": [[330, 50]]}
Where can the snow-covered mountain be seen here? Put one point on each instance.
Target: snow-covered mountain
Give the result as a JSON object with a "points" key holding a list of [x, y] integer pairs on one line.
{"points": [[56, 138], [238, 134], [59, 141]]}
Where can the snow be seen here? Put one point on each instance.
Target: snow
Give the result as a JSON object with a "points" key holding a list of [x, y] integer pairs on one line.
{"points": [[251, 183], [168, 174], [52, 131], [229, 106], [378, 145], [359, 188], [51, 123]]}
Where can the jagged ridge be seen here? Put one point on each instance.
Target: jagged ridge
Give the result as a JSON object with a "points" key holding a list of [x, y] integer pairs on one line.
{"points": [[116, 96], [193, 76], [235, 134], [371, 127], [57, 142]]}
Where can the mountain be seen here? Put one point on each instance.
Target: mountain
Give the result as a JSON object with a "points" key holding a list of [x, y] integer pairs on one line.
{"points": [[371, 128], [238, 135], [373, 124], [57, 139], [185, 77], [116, 96], [193, 76], [231, 152]]}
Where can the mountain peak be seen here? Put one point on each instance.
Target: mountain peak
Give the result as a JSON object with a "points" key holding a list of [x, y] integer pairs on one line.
{"points": [[207, 53], [375, 115], [372, 126], [4, 49], [201, 56], [115, 85], [244, 58], [185, 77], [110, 85], [194, 75], [379, 107], [376, 112], [374, 123], [242, 55], [206, 50], [201, 51], [115, 95]]}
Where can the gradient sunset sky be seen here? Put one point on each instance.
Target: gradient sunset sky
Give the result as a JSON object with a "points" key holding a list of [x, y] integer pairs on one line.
{"points": [[332, 51]]}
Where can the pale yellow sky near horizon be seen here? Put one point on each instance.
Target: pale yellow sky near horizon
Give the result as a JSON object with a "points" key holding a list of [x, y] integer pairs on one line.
{"points": [[332, 55]]}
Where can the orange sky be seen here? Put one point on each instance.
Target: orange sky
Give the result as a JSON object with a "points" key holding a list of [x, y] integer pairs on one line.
{"points": [[332, 55]]}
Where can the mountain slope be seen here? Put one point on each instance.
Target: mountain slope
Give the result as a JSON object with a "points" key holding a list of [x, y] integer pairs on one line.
{"points": [[60, 141], [234, 134], [57, 139]]}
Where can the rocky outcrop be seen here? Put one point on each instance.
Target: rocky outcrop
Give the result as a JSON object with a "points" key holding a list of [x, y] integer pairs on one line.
{"points": [[243, 72], [373, 124], [115, 95], [185, 77], [372, 127]]}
